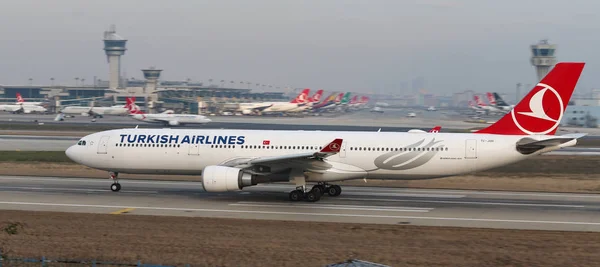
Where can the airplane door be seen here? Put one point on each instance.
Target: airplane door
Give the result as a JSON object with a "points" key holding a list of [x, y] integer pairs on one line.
{"points": [[103, 144], [194, 150], [343, 149], [471, 149]]}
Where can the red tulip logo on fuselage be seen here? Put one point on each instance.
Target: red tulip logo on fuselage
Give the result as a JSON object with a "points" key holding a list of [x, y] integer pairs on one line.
{"points": [[543, 113]]}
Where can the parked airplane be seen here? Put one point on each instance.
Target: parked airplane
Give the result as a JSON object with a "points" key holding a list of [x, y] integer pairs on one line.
{"points": [[21, 101], [273, 107], [499, 102], [23, 107], [309, 103], [483, 106], [166, 118], [329, 102], [97, 112], [476, 108], [230, 160]]}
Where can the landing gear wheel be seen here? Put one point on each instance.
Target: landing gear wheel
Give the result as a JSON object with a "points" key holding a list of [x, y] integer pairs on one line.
{"points": [[313, 196], [296, 195], [115, 187], [334, 190], [320, 188]]}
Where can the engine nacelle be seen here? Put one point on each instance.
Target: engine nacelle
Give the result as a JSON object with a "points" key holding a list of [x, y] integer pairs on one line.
{"points": [[224, 179], [173, 123]]}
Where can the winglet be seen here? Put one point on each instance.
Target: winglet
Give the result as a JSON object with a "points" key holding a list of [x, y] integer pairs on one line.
{"points": [[436, 129], [333, 147]]}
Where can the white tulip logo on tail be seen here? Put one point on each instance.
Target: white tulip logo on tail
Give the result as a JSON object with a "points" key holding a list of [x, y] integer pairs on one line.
{"points": [[544, 114]]}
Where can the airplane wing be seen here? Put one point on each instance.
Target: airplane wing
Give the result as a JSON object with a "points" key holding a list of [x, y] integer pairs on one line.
{"points": [[529, 145], [307, 159]]}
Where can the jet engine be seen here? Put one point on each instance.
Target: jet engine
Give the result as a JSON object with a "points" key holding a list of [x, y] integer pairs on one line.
{"points": [[223, 179], [173, 123]]}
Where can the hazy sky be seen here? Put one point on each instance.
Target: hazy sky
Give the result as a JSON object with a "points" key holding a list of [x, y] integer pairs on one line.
{"points": [[370, 45]]}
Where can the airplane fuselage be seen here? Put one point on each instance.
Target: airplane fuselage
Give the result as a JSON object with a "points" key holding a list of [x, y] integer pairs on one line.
{"points": [[96, 110], [176, 119], [379, 155]]}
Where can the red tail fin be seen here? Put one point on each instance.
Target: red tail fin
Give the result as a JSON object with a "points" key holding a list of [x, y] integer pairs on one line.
{"points": [[20, 98], [317, 97], [302, 97], [491, 99], [542, 109], [132, 107], [478, 101]]}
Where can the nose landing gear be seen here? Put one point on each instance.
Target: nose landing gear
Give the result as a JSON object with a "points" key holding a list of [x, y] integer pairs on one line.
{"points": [[115, 186]]}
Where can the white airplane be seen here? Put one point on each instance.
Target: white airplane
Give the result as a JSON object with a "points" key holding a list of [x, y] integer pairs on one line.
{"points": [[486, 108], [308, 103], [230, 160], [21, 101], [497, 102], [166, 118], [24, 107], [274, 107], [476, 108], [98, 111]]}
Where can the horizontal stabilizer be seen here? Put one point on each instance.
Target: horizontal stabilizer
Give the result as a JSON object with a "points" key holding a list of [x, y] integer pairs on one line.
{"points": [[529, 145]]}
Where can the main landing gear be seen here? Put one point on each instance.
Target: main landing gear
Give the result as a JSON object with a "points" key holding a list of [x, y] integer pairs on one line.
{"points": [[115, 186], [315, 192]]}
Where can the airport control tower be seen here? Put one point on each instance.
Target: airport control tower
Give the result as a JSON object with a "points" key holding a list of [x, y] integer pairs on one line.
{"points": [[151, 74], [542, 58], [114, 46]]}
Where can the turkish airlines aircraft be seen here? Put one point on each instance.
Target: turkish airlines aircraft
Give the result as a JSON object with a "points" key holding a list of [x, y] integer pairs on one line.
{"points": [[272, 107], [166, 118], [230, 160], [309, 103], [21, 101], [24, 107]]}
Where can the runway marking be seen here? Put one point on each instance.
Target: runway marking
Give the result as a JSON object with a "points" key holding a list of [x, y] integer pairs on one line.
{"points": [[466, 202], [70, 189], [121, 211], [334, 207], [438, 192], [403, 195], [303, 213]]}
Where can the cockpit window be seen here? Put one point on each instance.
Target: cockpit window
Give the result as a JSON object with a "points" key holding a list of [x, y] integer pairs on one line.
{"points": [[81, 143]]}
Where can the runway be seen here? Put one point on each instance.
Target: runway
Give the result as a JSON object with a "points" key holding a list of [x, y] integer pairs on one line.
{"points": [[464, 208]]}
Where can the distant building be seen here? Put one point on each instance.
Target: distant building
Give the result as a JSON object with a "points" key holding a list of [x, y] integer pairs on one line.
{"points": [[581, 116]]}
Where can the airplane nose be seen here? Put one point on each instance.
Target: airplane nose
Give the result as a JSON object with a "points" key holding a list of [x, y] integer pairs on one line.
{"points": [[71, 153]]}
